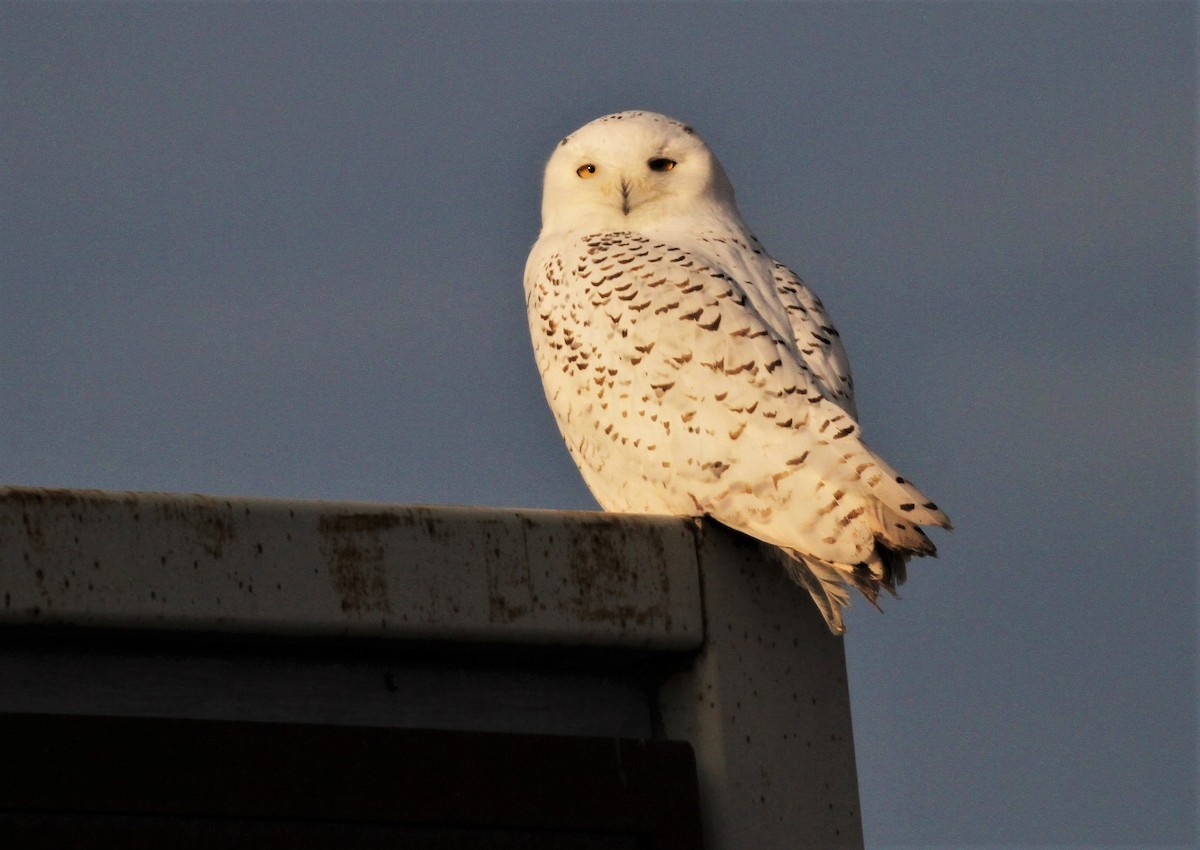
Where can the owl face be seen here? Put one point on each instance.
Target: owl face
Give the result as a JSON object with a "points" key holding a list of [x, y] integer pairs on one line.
{"points": [[629, 171]]}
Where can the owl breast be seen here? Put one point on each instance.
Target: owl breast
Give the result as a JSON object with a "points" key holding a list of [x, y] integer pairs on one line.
{"points": [[628, 338]]}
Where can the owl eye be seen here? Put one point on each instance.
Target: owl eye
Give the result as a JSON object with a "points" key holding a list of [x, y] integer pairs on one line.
{"points": [[661, 163], [586, 171]]}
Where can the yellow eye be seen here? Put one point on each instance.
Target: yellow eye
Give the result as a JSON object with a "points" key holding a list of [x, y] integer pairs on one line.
{"points": [[661, 164], [586, 171]]}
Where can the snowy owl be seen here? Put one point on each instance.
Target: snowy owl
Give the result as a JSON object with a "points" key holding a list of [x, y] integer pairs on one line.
{"points": [[692, 374]]}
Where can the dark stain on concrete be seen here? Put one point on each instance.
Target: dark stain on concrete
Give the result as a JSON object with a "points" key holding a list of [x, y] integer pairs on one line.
{"points": [[355, 553], [357, 523], [604, 583]]}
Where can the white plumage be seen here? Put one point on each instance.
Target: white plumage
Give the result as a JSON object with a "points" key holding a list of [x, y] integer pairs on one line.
{"points": [[691, 373]]}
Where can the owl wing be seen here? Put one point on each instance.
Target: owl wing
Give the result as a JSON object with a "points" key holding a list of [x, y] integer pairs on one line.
{"points": [[690, 391], [810, 483], [790, 308], [817, 340]]}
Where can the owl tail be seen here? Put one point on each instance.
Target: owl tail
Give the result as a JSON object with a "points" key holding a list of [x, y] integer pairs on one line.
{"points": [[821, 579], [828, 582]]}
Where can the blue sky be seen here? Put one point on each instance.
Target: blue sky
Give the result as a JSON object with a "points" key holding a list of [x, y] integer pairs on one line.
{"points": [[269, 249]]}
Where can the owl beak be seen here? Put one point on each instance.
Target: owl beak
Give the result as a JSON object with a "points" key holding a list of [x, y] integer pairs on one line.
{"points": [[625, 187]]}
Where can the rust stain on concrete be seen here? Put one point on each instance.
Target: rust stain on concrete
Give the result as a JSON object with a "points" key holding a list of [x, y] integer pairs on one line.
{"points": [[209, 521], [509, 580], [608, 581], [355, 554], [607, 578], [357, 523]]}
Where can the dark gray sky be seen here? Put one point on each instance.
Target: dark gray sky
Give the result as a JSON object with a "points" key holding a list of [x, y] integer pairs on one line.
{"points": [[277, 250]]}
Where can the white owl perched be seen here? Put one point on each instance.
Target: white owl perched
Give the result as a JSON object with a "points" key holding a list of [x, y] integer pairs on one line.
{"points": [[690, 373]]}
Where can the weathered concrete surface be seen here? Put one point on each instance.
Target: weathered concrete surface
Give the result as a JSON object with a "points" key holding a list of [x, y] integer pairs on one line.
{"points": [[149, 560], [752, 679], [766, 707]]}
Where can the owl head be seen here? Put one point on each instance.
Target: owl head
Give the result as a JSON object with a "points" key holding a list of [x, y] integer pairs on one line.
{"points": [[634, 171]]}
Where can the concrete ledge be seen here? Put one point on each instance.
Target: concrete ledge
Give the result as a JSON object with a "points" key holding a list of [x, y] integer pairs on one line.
{"points": [[311, 568], [755, 682]]}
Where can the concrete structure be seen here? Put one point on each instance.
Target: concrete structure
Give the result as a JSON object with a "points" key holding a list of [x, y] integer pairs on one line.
{"points": [[438, 618]]}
